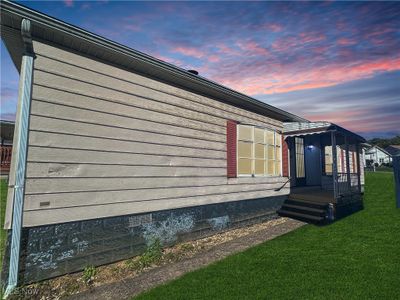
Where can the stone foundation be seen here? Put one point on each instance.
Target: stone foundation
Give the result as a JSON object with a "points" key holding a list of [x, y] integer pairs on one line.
{"points": [[54, 250]]}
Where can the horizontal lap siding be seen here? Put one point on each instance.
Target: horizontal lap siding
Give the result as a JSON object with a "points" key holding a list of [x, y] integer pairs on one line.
{"points": [[107, 142], [107, 210]]}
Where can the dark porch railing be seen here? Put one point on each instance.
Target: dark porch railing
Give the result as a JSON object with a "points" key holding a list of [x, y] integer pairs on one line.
{"points": [[344, 187]]}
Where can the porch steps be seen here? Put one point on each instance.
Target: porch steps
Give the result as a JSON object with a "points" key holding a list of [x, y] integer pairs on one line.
{"points": [[304, 210]]}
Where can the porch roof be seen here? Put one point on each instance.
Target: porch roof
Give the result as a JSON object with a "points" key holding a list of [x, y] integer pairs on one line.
{"points": [[320, 127]]}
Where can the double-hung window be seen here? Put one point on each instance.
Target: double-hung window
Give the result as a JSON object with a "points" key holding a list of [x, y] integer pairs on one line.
{"points": [[259, 151]]}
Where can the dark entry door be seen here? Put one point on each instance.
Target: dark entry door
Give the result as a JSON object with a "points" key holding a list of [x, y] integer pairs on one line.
{"points": [[300, 161]]}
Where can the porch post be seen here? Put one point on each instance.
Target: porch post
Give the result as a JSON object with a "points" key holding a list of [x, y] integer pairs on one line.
{"points": [[358, 167], [347, 164], [334, 165]]}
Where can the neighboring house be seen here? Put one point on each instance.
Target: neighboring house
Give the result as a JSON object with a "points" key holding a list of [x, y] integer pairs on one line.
{"points": [[123, 148], [6, 134], [393, 150], [377, 155]]}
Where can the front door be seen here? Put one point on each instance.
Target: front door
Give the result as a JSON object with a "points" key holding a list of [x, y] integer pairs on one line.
{"points": [[299, 161]]}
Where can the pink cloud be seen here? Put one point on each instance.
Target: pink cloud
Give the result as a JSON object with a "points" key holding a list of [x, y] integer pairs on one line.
{"points": [[68, 3], [287, 43], [197, 53], [306, 37], [213, 58], [189, 51], [274, 27], [168, 59], [224, 49], [360, 120], [379, 31], [320, 50], [282, 80], [346, 42], [253, 48]]}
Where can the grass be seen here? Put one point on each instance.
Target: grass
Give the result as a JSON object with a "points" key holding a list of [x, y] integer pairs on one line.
{"points": [[3, 201], [355, 258], [384, 169]]}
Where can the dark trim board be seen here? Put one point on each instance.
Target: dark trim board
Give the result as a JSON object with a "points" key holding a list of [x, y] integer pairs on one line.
{"points": [[55, 250]]}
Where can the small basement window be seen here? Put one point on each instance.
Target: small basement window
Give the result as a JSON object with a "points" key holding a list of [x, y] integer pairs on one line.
{"points": [[259, 151]]}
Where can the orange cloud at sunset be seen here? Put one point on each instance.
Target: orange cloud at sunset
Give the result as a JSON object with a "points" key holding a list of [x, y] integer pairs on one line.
{"points": [[282, 82]]}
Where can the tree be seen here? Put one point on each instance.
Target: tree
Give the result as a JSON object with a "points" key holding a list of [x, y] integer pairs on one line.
{"points": [[383, 143]]}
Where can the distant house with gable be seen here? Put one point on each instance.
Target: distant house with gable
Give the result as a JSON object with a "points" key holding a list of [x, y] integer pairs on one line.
{"points": [[377, 155]]}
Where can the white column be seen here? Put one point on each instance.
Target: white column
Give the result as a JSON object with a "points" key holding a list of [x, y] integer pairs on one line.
{"points": [[358, 166], [348, 164], [334, 165]]}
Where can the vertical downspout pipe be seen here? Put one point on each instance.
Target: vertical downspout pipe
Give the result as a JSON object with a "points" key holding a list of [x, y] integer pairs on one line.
{"points": [[24, 103]]}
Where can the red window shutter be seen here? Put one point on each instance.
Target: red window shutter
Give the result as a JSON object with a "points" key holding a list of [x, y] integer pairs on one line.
{"points": [[285, 158], [231, 151]]}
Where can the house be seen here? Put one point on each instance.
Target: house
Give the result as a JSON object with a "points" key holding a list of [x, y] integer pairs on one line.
{"points": [[377, 155], [393, 150], [6, 134], [116, 149]]}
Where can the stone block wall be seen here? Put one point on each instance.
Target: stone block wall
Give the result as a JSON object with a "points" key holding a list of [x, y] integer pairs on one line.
{"points": [[54, 250]]}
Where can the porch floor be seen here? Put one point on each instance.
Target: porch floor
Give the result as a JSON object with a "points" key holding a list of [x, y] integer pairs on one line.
{"points": [[312, 194]]}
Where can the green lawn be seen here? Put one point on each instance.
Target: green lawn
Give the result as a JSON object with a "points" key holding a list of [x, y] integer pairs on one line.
{"points": [[384, 169], [355, 258], [3, 201]]}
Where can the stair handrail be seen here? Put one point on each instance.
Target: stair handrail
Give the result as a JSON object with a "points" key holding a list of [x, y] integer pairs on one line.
{"points": [[278, 189]]}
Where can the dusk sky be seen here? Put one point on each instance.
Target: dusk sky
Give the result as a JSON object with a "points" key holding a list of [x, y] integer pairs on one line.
{"points": [[331, 61]]}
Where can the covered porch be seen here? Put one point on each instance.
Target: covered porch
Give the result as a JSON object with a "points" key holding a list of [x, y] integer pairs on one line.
{"points": [[326, 173]]}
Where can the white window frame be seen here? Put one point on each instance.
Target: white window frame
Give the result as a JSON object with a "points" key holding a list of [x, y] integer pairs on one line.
{"points": [[275, 132]]}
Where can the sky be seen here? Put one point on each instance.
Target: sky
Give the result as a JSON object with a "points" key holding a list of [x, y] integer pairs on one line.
{"points": [[325, 61]]}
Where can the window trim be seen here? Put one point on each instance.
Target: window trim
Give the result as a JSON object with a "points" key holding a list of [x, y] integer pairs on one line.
{"points": [[324, 161], [275, 132]]}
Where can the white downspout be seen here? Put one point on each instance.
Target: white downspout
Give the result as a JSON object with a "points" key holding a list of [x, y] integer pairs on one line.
{"points": [[23, 111]]}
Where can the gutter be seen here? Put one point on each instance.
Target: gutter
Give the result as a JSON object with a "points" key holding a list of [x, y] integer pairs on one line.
{"points": [[18, 168], [45, 21]]}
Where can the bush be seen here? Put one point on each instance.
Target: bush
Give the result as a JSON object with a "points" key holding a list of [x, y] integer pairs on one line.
{"points": [[152, 255]]}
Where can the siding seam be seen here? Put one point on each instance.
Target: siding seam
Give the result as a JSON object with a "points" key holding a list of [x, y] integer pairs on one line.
{"points": [[131, 141]]}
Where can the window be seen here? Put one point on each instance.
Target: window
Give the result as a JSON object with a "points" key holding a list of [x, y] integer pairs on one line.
{"points": [[351, 162], [259, 151], [328, 160]]}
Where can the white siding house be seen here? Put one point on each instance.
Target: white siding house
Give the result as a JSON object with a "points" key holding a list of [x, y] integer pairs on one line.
{"points": [[376, 154]]}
